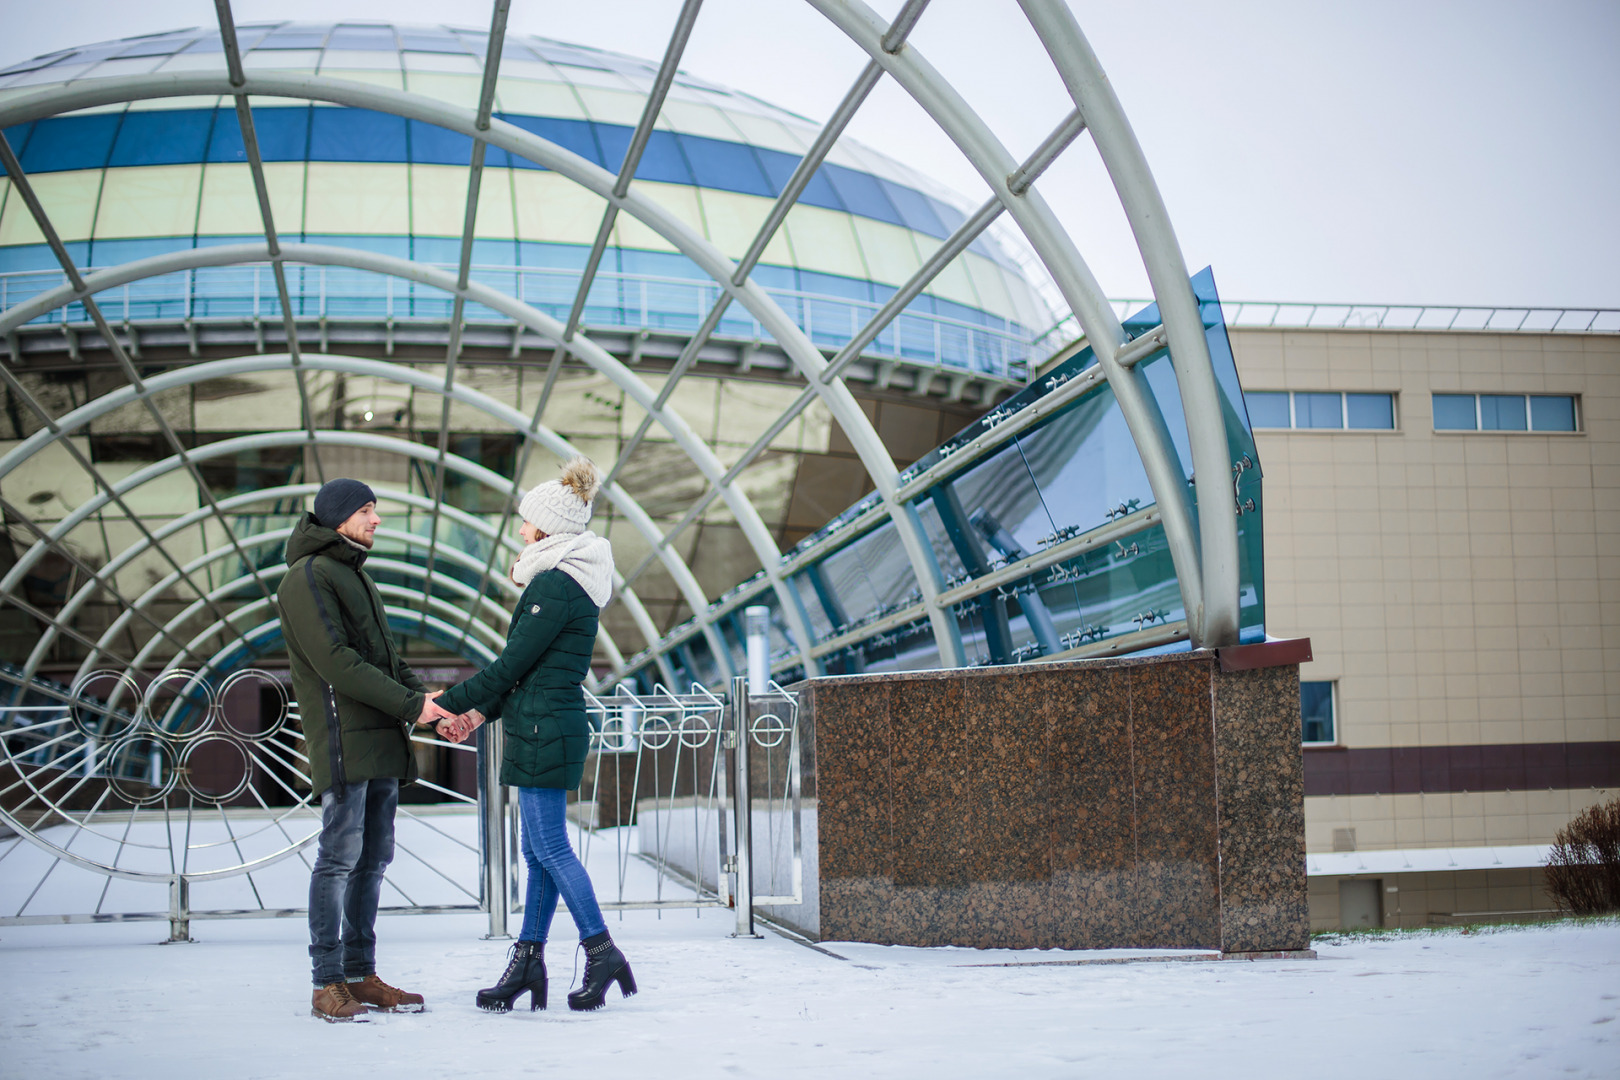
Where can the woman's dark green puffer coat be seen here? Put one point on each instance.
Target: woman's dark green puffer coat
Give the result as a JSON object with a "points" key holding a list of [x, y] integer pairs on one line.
{"points": [[536, 686]]}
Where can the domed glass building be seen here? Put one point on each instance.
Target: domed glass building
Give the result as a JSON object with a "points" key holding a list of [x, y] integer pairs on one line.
{"points": [[139, 179]]}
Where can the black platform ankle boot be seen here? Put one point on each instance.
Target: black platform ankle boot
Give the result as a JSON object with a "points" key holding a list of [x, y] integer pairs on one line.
{"points": [[604, 965], [526, 970]]}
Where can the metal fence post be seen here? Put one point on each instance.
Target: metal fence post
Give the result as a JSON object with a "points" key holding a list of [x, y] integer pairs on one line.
{"points": [[179, 909], [492, 852], [744, 805]]}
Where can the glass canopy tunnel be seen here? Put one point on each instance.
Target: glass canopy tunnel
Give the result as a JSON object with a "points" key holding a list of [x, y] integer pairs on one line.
{"points": [[237, 261]]}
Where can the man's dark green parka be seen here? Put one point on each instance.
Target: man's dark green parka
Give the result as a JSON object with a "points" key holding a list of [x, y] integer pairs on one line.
{"points": [[536, 686], [357, 697]]}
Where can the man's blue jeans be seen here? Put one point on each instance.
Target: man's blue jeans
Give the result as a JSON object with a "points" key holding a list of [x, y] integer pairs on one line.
{"points": [[356, 846], [554, 869]]}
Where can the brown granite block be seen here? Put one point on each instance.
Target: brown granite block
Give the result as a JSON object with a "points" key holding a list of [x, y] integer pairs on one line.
{"points": [[1177, 862], [1261, 792], [1092, 824], [1006, 723], [855, 783], [935, 804]]}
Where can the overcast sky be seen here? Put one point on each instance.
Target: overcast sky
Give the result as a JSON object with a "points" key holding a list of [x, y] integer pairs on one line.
{"points": [[1422, 151]]}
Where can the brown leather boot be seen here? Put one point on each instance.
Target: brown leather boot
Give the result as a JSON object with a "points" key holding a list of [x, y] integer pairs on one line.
{"points": [[334, 1004], [379, 995]]}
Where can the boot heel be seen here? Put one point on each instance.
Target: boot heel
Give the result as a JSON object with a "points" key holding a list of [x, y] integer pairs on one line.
{"points": [[627, 982], [537, 996]]}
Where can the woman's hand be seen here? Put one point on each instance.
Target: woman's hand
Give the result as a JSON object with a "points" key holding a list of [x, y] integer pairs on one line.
{"points": [[458, 728]]}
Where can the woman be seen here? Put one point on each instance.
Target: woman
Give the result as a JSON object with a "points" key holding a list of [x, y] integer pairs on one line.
{"points": [[535, 689]]}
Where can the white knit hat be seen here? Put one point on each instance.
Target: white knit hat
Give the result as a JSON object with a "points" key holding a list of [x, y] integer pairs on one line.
{"points": [[563, 506]]}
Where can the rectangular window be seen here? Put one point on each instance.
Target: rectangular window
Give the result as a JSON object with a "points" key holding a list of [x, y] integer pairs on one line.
{"points": [[1316, 712], [1268, 409], [1455, 412], [1320, 410], [1504, 412]]}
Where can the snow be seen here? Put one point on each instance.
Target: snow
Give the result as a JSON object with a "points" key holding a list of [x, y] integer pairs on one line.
{"points": [[104, 1000], [1410, 860]]}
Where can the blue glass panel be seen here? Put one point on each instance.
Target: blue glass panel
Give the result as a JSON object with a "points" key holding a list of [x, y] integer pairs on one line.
{"points": [[834, 285], [1267, 408], [779, 167], [775, 277], [1318, 411], [366, 38], [283, 134], [356, 135], [1370, 411], [23, 257], [861, 193], [163, 137], [949, 216], [567, 256], [573, 135], [62, 143], [1085, 465], [916, 209], [871, 576], [661, 161], [114, 252], [1550, 412], [727, 166], [17, 136], [1454, 412], [1501, 412], [436, 249], [657, 264], [434, 145], [1316, 711]]}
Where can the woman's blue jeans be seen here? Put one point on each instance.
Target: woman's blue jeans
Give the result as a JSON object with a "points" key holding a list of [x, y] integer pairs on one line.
{"points": [[554, 869]]}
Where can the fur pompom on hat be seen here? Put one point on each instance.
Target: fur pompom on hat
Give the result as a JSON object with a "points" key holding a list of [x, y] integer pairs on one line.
{"points": [[562, 506]]}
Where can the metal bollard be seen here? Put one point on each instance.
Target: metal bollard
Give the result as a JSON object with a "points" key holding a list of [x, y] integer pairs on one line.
{"points": [[179, 909], [492, 849], [744, 812]]}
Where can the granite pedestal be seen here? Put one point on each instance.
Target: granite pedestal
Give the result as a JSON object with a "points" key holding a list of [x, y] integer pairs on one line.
{"points": [[1127, 803]]}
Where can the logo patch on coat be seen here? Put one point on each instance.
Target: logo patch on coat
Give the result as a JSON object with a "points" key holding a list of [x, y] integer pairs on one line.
{"points": [[535, 610]]}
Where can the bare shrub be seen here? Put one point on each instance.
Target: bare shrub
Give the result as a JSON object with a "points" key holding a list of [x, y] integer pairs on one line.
{"points": [[1583, 867]]}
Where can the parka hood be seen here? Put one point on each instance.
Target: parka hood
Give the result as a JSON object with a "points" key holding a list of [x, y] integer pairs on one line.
{"points": [[310, 537]]}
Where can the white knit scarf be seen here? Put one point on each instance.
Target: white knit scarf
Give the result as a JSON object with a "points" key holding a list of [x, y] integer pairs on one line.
{"points": [[585, 557]]}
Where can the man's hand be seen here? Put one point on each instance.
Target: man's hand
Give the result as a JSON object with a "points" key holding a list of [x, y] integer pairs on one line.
{"points": [[459, 728], [431, 713]]}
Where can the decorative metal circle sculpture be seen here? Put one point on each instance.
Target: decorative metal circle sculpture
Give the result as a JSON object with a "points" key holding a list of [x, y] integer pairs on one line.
{"points": [[146, 772]]}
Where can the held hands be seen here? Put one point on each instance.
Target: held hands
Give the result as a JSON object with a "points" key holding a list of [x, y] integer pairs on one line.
{"points": [[431, 712], [457, 728]]}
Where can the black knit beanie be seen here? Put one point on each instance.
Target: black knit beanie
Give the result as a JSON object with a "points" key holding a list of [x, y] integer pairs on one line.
{"points": [[340, 498]]}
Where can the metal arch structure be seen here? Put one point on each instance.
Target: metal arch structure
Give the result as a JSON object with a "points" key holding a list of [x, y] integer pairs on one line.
{"points": [[85, 414], [1203, 547]]}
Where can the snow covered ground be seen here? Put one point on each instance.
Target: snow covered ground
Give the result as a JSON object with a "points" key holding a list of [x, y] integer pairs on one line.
{"points": [[104, 1001], [107, 1001]]}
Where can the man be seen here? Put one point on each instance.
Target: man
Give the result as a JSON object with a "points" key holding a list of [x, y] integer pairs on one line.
{"points": [[359, 701]]}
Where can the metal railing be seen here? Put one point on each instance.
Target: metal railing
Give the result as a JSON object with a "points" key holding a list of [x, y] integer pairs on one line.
{"points": [[124, 793], [1284, 314], [995, 348]]}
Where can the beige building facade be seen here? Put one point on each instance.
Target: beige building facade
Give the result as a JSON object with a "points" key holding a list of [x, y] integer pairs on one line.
{"points": [[1461, 588]]}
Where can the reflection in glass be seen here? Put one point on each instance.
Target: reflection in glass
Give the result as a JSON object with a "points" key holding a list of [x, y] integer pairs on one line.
{"points": [[1501, 412], [1454, 412], [1552, 413], [1268, 408], [1370, 411]]}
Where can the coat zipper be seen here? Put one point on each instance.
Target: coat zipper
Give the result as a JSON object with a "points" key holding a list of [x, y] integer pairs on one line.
{"points": [[334, 741]]}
